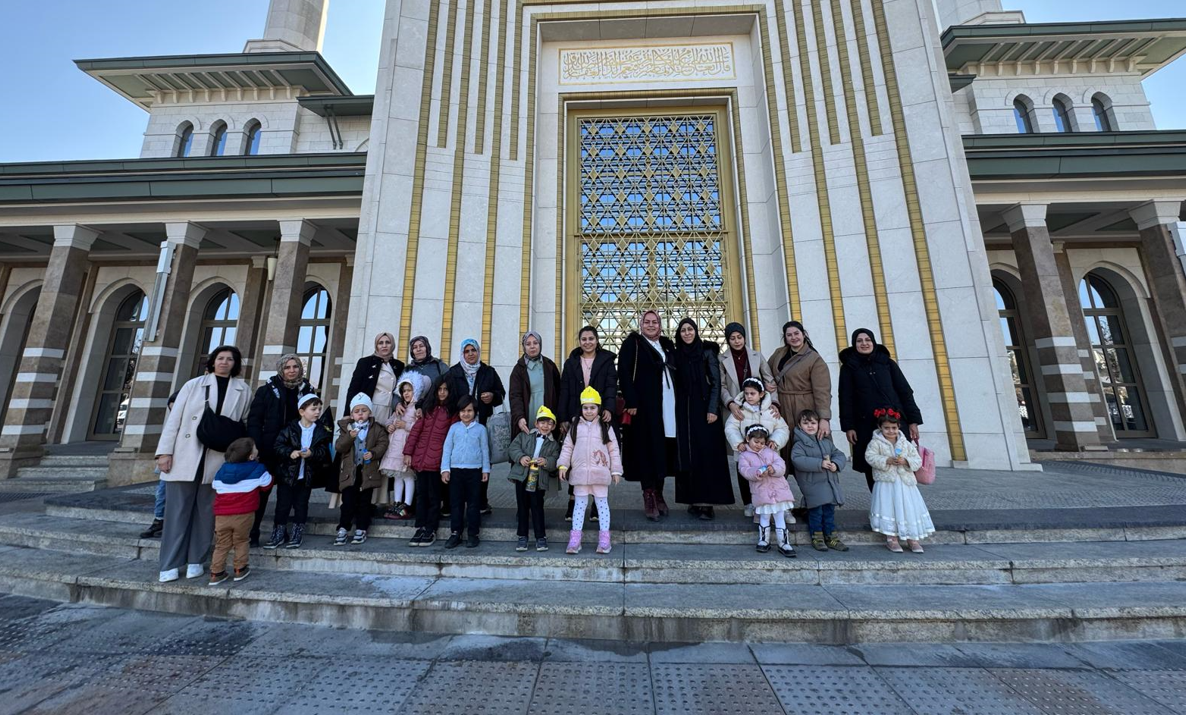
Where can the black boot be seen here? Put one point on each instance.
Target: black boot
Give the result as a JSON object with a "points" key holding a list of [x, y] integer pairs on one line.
{"points": [[154, 530]]}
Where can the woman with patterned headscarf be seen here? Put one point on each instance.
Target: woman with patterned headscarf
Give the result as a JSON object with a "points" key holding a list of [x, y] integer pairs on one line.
{"points": [[470, 376], [375, 376], [535, 383]]}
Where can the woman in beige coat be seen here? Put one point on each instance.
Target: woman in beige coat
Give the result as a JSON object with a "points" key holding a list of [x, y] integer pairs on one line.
{"points": [[803, 380], [188, 467]]}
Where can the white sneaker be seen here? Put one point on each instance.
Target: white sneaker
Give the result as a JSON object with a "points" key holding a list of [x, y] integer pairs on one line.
{"points": [[170, 575], [194, 570], [749, 511]]}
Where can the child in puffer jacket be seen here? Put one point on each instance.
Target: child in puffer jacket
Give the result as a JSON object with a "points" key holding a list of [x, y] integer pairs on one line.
{"points": [[590, 461], [817, 465], [897, 509], [757, 408], [767, 474], [394, 469], [236, 497]]}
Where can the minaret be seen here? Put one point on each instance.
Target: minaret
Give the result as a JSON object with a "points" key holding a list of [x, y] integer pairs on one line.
{"points": [[292, 26], [959, 12]]}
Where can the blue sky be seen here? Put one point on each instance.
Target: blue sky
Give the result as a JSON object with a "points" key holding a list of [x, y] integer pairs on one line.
{"points": [[54, 111]]}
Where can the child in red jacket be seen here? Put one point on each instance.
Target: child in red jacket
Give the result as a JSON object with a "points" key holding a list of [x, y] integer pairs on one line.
{"points": [[422, 453], [236, 498]]}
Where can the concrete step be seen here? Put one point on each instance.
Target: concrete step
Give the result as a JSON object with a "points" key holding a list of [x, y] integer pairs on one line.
{"points": [[53, 481], [1082, 562], [831, 613], [71, 460]]}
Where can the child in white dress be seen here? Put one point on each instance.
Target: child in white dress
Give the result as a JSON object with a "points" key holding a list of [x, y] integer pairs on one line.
{"points": [[897, 509]]}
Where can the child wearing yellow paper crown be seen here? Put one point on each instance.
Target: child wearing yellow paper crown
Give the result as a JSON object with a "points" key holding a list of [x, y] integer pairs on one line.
{"points": [[533, 465], [590, 461]]}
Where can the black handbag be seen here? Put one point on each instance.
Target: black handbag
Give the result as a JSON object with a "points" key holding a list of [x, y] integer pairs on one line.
{"points": [[215, 431]]}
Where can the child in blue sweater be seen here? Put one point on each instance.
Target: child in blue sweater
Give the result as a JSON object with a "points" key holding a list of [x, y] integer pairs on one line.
{"points": [[465, 466]]}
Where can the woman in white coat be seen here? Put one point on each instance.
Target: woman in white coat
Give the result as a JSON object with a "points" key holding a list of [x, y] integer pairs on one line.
{"points": [[188, 467]]}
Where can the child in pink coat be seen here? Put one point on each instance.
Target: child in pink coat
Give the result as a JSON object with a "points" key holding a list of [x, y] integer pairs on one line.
{"points": [[767, 475], [400, 475], [590, 461]]}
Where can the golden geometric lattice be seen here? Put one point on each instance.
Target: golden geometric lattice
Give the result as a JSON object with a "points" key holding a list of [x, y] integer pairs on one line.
{"points": [[650, 224]]}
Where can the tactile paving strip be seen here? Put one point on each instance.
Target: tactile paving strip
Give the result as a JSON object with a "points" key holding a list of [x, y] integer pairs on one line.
{"points": [[162, 675], [473, 688], [718, 689], [209, 637], [1076, 691], [833, 690], [244, 684], [593, 689], [955, 690], [1167, 687], [27, 681], [364, 684]]}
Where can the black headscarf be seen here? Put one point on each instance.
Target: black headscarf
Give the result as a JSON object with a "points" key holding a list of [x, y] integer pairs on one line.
{"points": [[412, 361], [740, 357], [696, 346], [872, 337]]}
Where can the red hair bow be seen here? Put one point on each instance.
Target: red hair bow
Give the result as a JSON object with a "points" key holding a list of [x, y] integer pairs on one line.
{"points": [[886, 412]]}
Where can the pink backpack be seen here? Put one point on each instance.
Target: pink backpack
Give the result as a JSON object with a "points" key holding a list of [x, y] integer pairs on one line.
{"points": [[925, 473]]}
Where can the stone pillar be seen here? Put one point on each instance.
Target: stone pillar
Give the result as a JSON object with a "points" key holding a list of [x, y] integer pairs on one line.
{"points": [[288, 288], [1061, 367], [1162, 238], [292, 26], [40, 370], [335, 375], [1090, 375], [133, 460], [251, 316]]}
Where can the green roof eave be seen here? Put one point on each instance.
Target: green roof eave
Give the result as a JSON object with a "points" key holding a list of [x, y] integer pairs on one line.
{"points": [[279, 176], [1076, 156], [356, 106]]}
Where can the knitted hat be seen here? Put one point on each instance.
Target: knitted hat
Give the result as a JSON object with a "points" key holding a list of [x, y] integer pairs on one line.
{"points": [[306, 398], [734, 328], [544, 414], [362, 399], [590, 397]]}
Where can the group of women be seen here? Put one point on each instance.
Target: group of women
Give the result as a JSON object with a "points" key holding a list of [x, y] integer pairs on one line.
{"points": [[666, 396]]}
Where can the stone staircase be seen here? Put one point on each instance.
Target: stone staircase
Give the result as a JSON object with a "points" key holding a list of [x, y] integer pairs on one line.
{"points": [[57, 474], [1077, 576]]}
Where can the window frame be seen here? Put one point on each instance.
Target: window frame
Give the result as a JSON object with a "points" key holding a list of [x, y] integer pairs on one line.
{"points": [[226, 328], [252, 137], [185, 141], [1063, 121], [1092, 315], [1101, 114], [136, 324], [218, 138], [1018, 351], [306, 353], [1023, 115]]}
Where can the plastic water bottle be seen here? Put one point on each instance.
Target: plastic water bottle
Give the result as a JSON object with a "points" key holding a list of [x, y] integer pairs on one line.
{"points": [[532, 477]]}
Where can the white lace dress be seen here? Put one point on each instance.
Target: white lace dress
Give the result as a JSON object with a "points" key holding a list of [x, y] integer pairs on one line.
{"points": [[897, 508]]}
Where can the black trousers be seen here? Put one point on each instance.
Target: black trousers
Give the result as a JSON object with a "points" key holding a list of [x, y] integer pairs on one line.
{"points": [[485, 495], [869, 479], [356, 505], [293, 499], [656, 481], [264, 495], [529, 504], [428, 500], [743, 487], [465, 494]]}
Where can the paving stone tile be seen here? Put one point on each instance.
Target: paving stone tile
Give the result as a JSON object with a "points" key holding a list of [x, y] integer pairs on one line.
{"points": [[473, 688], [942, 655], [968, 691], [1167, 687], [129, 632], [701, 653], [26, 681], [373, 684], [593, 689], [595, 651], [241, 684], [36, 634], [95, 699], [1076, 691], [1131, 655], [494, 648], [721, 689], [13, 608], [209, 636], [833, 690], [805, 654], [1018, 655]]}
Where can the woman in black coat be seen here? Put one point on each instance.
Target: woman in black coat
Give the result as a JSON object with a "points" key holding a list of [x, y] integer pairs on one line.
{"points": [[646, 378], [272, 409], [702, 477], [870, 380], [603, 377], [367, 376], [470, 376], [532, 366], [421, 360]]}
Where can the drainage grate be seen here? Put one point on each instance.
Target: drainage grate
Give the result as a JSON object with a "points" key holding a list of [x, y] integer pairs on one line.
{"points": [[17, 496]]}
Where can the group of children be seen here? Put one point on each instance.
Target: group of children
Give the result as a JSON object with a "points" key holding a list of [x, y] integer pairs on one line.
{"points": [[421, 450]]}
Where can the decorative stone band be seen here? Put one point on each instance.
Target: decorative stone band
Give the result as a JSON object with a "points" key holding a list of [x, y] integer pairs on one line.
{"points": [[1061, 369], [30, 404], [142, 429], [1056, 342], [51, 353], [154, 377], [148, 403], [1069, 397], [23, 429], [1075, 426], [150, 351], [36, 377], [278, 349]]}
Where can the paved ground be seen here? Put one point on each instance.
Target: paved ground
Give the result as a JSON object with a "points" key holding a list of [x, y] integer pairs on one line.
{"points": [[74, 658]]}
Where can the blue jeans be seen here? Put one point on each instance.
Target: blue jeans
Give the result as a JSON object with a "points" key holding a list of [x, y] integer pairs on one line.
{"points": [[158, 510], [822, 518]]}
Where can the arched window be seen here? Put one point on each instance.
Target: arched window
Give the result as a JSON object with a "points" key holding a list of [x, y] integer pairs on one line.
{"points": [[1120, 381], [1023, 117], [1062, 115], [251, 145], [219, 322], [313, 333], [185, 140], [218, 140], [1015, 347], [119, 367], [1103, 123]]}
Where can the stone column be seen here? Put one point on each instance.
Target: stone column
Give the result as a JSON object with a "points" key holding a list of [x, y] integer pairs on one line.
{"points": [[251, 306], [1162, 238], [132, 461], [36, 385], [288, 288], [1086, 357], [1061, 367], [335, 371]]}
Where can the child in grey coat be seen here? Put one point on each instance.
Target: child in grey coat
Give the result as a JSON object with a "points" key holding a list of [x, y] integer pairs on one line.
{"points": [[817, 465]]}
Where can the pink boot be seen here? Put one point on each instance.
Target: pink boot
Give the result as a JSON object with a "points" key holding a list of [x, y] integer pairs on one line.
{"points": [[603, 542], [574, 542]]}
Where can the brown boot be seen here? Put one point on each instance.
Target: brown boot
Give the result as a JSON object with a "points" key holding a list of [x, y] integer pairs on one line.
{"points": [[648, 504], [660, 504]]}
